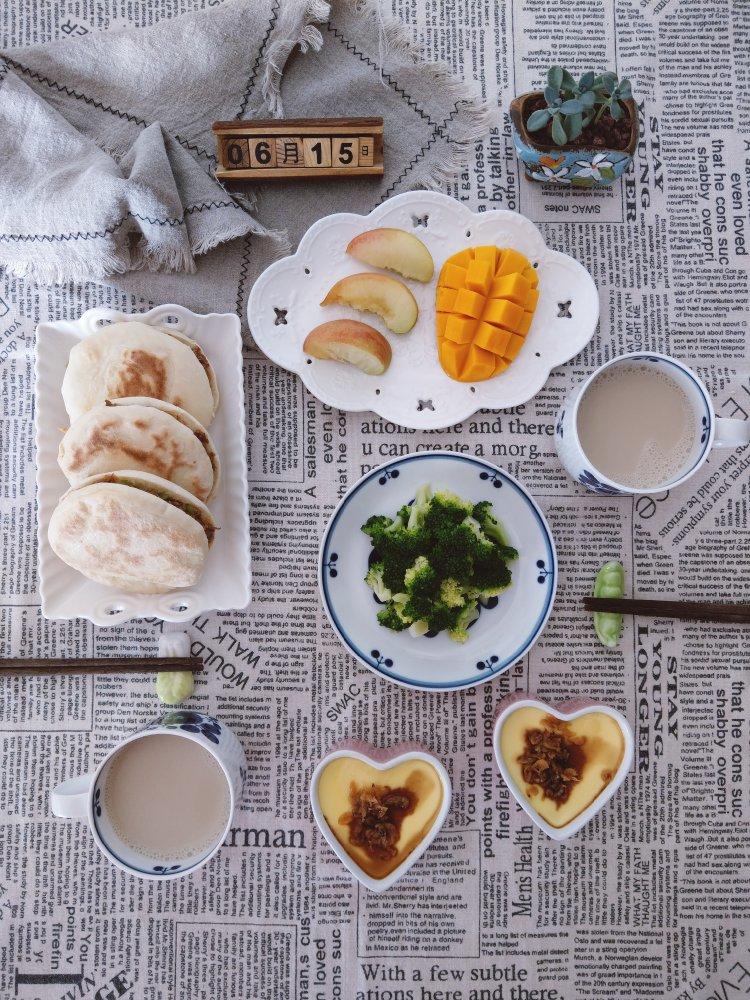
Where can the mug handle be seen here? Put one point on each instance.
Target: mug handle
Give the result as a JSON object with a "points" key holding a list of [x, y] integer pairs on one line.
{"points": [[70, 800], [731, 433]]}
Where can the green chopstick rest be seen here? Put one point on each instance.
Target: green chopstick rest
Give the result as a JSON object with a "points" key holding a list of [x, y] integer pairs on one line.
{"points": [[610, 582]]}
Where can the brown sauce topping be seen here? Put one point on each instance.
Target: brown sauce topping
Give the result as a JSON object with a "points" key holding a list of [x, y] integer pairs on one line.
{"points": [[376, 816], [553, 760]]}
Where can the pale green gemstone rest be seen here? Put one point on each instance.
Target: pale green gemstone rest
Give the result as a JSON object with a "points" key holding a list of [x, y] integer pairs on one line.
{"points": [[610, 582], [174, 686]]}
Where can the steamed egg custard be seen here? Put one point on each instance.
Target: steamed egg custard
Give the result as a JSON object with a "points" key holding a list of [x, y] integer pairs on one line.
{"points": [[379, 816], [559, 765]]}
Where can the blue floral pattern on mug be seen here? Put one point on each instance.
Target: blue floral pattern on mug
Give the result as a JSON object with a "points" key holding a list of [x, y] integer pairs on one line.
{"points": [[589, 480], [166, 869], [190, 722]]}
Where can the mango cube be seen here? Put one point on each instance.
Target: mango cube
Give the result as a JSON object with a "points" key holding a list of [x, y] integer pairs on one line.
{"points": [[468, 303], [492, 338], [503, 312], [511, 286], [460, 328], [446, 298], [452, 276], [479, 276]]}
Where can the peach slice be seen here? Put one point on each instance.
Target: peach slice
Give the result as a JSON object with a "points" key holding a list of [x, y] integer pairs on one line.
{"points": [[354, 343], [394, 250], [387, 297]]}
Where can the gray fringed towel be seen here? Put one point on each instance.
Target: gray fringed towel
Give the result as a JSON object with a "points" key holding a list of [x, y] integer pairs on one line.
{"points": [[107, 154]]}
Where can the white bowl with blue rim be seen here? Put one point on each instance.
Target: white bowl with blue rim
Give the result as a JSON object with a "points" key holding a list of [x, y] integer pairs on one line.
{"points": [[507, 627]]}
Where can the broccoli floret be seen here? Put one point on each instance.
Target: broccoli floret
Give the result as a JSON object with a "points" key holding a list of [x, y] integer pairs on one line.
{"points": [[419, 508], [420, 577], [445, 512], [491, 574], [450, 500], [470, 537], [442, 616], [492, 528], [460, 630], [390, 617], [379, 526], [374, 580], [452, 593], [422, 587], [451, 559], [396, 549]]}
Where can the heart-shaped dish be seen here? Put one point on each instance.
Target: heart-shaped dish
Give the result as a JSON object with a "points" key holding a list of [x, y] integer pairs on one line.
{"points": [[598, 738], [409, 767]]}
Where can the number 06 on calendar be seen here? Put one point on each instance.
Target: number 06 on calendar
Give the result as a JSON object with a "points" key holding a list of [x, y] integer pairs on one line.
{"points": [[299, 147]]}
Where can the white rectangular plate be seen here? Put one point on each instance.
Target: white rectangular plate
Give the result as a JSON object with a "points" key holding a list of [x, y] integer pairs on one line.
{"points": [[225, 583]]}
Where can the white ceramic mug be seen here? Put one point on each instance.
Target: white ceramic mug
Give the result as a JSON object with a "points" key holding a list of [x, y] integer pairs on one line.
{"points": [[83, 798], [710, 430]]}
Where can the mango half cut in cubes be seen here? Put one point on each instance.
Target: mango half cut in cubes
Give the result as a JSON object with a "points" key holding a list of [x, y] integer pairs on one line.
{"points": [[485, 302]]}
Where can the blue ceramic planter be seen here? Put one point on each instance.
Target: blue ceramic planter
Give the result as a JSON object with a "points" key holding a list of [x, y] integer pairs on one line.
{"points": [[573, 167]]}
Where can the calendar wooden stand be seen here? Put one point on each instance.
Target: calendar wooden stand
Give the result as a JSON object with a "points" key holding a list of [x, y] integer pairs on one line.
{"points": [[278, 149]]}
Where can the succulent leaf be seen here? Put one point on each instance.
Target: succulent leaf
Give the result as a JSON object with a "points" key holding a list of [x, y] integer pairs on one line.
{"points": [[551, 96], [587, 81], [615, 110], [588, 99], [568, 83], [538, 119], [573, 126], [625, 90], [555, 77], [558, 132], [571, 107]]}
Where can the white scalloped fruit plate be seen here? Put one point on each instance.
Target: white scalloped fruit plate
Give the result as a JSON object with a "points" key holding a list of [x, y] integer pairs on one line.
{"points": [[225, 583], [415, 391]]}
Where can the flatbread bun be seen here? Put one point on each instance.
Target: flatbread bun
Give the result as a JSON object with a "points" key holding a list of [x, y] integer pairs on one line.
{"points": [[133, 359], [133, 531], [141, 434]]}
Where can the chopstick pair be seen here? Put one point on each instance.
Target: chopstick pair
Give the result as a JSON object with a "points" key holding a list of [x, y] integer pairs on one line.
{"points": [[101, 665], [706, 611]]}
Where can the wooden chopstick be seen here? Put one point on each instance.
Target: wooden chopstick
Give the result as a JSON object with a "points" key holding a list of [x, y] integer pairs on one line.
{"points": [[102, 665], [706, 611]]}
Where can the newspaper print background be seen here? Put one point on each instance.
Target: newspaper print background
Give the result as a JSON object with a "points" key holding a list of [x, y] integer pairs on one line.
{"points": [[652, 899]]}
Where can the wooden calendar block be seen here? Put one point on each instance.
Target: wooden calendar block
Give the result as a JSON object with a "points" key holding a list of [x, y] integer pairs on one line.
{"points": [[298, 148], [317, 151], [289, 152], [345, 152], [262, 152], [366, 150], [235, 152]]}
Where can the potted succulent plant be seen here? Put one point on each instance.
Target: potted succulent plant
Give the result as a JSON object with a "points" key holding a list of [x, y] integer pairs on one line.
{"points": [[580, 133]]}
